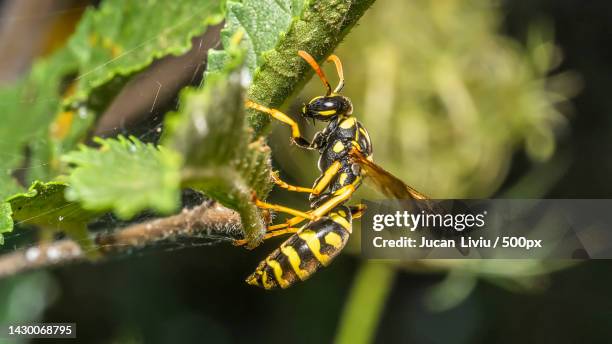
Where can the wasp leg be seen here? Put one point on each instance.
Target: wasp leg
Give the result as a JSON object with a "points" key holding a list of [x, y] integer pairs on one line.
{"points": [[276, 179], [326, 178], [290, 222], [269, 235], [295, 130], [283, 209], [340, 196], [357, 210], [319, 186]]}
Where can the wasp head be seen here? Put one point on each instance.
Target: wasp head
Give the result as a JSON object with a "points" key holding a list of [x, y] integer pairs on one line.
{"points": [[327, 108]]}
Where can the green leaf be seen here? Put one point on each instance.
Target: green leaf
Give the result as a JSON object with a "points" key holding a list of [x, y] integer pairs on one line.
{"points": [[211, 133], [10, 149], [6, 221], [26, 112], [123, 37], [117, 41], [45, 206], [53, 107], [261, 21], [124, 175]]}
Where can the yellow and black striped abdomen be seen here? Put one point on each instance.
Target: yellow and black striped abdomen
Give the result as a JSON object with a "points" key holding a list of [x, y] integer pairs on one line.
{"points": [[314, 245]]}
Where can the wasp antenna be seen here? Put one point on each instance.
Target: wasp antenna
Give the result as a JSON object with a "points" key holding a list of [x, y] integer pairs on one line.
{"points": [[311, 61], [336, 60]]}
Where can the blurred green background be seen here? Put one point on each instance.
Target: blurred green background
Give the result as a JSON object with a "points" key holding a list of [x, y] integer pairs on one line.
{"points": [[461, 99]]}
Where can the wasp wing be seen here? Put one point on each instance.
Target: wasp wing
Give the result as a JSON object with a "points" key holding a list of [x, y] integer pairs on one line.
{"points": [[384, 181], [393, 187]]}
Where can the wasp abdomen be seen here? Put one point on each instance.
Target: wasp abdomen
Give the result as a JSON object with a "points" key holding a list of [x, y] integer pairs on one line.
{"points": [[314, 245]]}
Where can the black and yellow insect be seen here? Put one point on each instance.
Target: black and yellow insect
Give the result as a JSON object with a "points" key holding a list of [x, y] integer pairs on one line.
{"points": [[345, 158]]}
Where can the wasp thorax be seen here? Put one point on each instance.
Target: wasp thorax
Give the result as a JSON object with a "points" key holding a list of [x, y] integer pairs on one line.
{"points": [[325, 108]]}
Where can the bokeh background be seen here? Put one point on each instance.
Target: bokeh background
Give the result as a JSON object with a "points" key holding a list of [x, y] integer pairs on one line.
{"points": [[462, 99]]}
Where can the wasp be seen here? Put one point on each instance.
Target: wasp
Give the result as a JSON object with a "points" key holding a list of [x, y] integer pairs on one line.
{"points": [[345, 159]]}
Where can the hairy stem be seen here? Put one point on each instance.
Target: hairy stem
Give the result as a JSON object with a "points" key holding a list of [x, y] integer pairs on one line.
{"points": [[204, 220]]}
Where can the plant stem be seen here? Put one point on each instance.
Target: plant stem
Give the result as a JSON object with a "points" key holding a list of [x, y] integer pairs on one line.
{"points": [[319, 29], [365, 303], [206, 220]]}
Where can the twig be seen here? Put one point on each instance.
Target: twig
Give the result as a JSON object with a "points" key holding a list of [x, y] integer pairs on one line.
{"points": [[207, 219]]}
